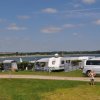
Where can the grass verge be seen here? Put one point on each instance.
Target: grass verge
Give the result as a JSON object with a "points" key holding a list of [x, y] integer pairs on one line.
{"points": [[76, 73]]}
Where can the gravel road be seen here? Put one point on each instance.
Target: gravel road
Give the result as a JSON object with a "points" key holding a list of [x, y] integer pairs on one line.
{"points": [[97, 79]]}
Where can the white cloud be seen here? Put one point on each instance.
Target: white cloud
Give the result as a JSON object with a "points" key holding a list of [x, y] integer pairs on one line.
{"points": [[69, 25], [88, 1], [75, 34], [14, 27], [61, 28], [24, 17], [76, 5], [51, 30], [2, 20], [72, 25], [49, 10], [97, 22]]}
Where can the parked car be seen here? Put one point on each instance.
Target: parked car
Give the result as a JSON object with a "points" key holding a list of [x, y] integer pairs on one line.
{"points": [[91, 64]]}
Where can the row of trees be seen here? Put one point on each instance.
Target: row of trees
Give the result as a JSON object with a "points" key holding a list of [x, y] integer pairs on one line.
{"points": [[49, 53]]}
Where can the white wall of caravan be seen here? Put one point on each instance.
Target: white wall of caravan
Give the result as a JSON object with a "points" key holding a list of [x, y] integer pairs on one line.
{"points": [[54, 62]]}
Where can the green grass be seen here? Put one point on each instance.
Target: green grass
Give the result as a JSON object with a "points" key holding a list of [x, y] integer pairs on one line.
{"points": [[77, 73], [28, 89], [81, 92]]}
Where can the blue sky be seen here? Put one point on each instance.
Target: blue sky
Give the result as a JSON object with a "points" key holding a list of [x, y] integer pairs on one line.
{"points": [[49, 25]]}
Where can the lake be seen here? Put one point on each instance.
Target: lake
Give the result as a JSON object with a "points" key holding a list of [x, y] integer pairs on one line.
{"points": [[35, 57]]}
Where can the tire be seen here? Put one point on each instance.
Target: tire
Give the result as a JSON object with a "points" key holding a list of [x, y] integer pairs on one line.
{"points": [[87, 73]]}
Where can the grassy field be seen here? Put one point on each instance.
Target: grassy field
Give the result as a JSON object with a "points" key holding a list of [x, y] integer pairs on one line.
{"points": [[77, 73], [27, 89]]}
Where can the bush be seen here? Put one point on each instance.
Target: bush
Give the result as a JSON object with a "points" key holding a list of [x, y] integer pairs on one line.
{"points": [[75, 62], [24, 65], [1, 66]]}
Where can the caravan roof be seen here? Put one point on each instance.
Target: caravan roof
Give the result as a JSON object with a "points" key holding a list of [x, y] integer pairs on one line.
{"points": [[40, 60], [8, 61], [43, 60], [79, 58]]}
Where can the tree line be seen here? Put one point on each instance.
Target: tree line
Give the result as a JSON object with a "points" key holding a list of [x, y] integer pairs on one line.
{"points": [[48, 53]]}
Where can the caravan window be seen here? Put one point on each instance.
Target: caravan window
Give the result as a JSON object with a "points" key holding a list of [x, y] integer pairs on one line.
{"points": [[62, 62], [93, 62]]}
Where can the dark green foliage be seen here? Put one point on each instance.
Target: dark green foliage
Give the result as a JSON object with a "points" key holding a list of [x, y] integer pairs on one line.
{"points": [[23, 65], [75, 62], [48, 53], [1, 66]]}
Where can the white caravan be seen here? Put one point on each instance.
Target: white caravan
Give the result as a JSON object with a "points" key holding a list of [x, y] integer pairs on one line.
{"points": [[91, 64], [59, 63], [65, 63]]}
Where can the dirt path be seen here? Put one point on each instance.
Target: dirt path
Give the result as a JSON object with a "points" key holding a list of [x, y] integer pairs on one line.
{"points": [[49, 77]]}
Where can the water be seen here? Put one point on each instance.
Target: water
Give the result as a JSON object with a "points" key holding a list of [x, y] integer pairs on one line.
{"points": [[38, 57], [23, 58], [76, 55]]}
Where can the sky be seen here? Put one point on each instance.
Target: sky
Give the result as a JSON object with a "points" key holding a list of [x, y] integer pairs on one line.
{"points": [[49, 25]]}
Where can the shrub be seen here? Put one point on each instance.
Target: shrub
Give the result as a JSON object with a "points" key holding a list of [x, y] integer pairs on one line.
{"points": [[24, 65], [1, 66]]}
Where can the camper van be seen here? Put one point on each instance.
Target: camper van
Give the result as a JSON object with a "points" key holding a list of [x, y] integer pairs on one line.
{"points": [[91, 64]]}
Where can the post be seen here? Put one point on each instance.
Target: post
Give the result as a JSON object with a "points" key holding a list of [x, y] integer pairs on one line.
{"points": [[49, 70], [10, 76]]}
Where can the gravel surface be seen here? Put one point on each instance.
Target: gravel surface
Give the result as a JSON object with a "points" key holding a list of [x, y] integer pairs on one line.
{"points": [[49, 77]]}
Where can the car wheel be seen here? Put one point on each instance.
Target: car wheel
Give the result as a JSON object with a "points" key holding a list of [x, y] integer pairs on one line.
{"points": [[87, 73]]}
